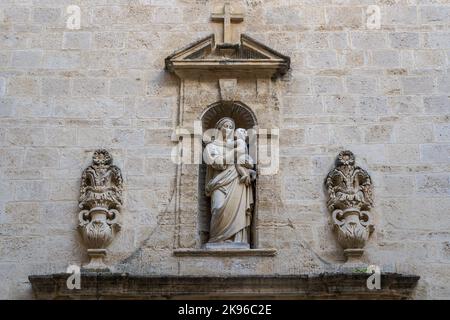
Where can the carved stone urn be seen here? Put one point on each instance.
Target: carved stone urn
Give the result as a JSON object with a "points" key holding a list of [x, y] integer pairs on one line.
{"points": [[100, 203], [349, 191]]}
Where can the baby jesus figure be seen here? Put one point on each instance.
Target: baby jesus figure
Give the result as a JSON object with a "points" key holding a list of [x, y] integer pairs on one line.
{"points": [[244, 163]]}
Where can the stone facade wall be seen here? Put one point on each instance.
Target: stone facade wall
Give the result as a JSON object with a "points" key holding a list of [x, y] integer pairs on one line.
{"points": [[382, 93]]}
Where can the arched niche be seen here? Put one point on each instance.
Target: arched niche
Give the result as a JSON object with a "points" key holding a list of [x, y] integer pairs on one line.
{"points": [[243, 117]]}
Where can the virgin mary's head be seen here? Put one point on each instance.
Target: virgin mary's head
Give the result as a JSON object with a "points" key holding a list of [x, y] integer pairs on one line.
{"points": [[226, 127]]}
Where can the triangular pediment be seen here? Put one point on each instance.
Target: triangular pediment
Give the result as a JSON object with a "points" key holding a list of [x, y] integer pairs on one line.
{"points": [[247, 56]]}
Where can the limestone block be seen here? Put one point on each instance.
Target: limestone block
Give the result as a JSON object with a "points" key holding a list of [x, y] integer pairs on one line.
{"points": [[327, 85], [344, 135], [343, 16], [402, 153], [100, 203], [378, 133], [292, 137], [103, 137], [437, 40], [373, 106], [301, 188], [64, 190], [394, 185], [11, 157], [429, 58], [167, 15], [368, 40], [436, 104], [61, 60], [136, 59], [435, 153], [339, 40], [160, 84], [109, 40], [77, 40], [103, 15], [349, 189], [384, 94], [361, 84], [442, 132], [434, 14], [31, 190], [63, 212], [16, 14], [26, 136], [2, 87], [386, 58], [299, 85], [407, 58], [340, 104], [47, 16], [317, 134], [126, 86], [42, 157], [160, 165], [399, 15], [405, 105], [282, 41], [308, 105], [99, 59], [325, 59], [60, 136], [23, 86], [90, 87], [391, 86], [134, 165], [129, 137], [314, 41], [418, 85], [433, 184], [89, 108], [7, 193], [157, 137], [352, 58], [413, 133], [443, 83], [283, 16]]}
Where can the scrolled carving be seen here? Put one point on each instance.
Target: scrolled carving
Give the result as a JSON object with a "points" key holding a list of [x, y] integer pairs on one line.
{"points": [[100, 203], [350, 200]]}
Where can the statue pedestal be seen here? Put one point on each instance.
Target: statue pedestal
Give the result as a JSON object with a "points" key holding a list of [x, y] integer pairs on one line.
{"points": [[225, 245]]}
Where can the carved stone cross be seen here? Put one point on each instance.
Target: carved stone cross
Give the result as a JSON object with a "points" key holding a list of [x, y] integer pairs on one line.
{"points": [[228, 17]]}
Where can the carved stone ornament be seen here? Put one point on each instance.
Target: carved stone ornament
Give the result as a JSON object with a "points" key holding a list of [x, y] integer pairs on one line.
{"points": [[349, 191], [100, 203]]}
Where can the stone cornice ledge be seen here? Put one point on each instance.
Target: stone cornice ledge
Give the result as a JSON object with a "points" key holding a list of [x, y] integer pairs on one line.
{"points": [[312, 286], [269, 252]]}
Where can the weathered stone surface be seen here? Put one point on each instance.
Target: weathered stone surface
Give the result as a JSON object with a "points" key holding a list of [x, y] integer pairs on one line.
{"points": [[304, 286], [100, 203], [350, 199], [382, 93]]}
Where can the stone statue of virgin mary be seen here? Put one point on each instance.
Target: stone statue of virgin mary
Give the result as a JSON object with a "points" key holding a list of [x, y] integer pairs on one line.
{"points": [[231, 193]]}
